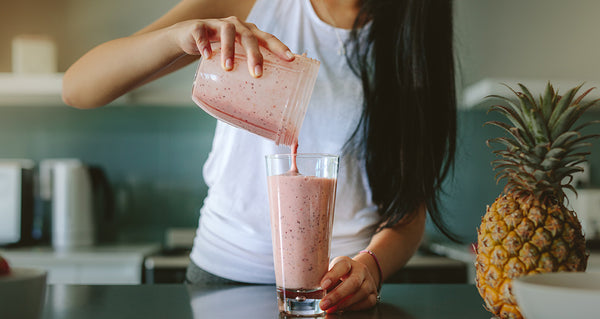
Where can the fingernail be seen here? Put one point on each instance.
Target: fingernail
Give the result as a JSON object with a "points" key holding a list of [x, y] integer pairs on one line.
{"points": [[326, 284], [206, 54], [332, 309], [324, 304], [289, 54], [258, 70], [228, 64]]}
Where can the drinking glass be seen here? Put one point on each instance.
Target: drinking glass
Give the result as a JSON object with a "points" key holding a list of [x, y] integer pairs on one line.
{"points": [[302, 189]]}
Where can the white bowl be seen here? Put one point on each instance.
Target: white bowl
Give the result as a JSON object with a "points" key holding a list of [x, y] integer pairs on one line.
{"points": [[22, 293], [561, 295]]}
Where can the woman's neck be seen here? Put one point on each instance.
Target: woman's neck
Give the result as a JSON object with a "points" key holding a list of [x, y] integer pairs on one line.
{"points": [[338, 13]]}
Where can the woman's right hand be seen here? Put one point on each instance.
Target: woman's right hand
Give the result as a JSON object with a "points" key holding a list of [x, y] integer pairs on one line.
{"points": [[194, 37], [173, 41]]}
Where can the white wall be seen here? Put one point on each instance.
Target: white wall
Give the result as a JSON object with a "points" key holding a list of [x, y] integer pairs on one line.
{"points": [[90, 22], [546, 39], [75, 25]]}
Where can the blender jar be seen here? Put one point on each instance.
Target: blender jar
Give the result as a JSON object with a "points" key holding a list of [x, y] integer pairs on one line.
{"points": [[272, 106]]}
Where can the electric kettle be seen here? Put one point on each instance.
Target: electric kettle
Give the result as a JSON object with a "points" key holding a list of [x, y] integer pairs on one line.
{"points": [[73, 188]]}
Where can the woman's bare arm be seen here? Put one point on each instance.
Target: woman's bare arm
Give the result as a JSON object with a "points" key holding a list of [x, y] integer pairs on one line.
{"points": [[174, 40]]}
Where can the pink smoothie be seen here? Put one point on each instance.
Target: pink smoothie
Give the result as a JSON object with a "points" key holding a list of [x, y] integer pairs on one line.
{"points": [[301, 219]]}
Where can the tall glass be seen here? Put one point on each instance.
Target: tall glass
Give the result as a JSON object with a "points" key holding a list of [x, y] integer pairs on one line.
{"points": [[302, 190]]}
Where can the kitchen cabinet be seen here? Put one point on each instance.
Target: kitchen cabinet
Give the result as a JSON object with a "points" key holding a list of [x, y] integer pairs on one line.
{"points": [[120, 264], [423, 268]]}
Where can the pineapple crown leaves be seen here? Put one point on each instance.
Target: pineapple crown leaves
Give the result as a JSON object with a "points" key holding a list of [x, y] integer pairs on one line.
{"points": [[542, 150]]}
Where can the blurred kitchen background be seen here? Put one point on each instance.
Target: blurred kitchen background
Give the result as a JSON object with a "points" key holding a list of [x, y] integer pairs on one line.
{"points": [[153, 142]]}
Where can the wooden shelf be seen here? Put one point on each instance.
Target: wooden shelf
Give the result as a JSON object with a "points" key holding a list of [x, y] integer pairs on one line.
{"points": [[18, 90], [30, 89]]}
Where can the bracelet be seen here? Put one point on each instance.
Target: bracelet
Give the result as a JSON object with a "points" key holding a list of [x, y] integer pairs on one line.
{"points": [[378, 267]]}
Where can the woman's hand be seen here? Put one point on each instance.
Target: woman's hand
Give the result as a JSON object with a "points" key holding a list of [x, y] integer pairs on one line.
{"points": [[194, 37], [351, 284]]}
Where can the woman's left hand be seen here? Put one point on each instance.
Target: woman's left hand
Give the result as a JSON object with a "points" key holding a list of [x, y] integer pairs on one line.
{"points": [[350, 286]]}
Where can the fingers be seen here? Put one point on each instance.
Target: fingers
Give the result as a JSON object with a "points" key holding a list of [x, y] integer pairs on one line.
{"points": [[356, 289], [341, 266], [273, 44], [202, 40], [228, 32], [250, 37], [196, 40], [250, 43], [351, 297]]}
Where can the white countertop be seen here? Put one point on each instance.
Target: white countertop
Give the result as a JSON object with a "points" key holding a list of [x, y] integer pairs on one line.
{"points": [[92, 254], [110, 264]]}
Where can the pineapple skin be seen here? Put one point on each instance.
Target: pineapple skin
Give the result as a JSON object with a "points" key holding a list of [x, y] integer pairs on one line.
{"points": [[520, 235]]}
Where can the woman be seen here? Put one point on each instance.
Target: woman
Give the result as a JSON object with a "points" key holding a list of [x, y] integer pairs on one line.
{"points": [[384, 99]]}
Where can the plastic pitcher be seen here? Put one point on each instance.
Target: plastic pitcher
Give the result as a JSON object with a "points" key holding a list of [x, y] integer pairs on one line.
{"points": [[272, 106]]}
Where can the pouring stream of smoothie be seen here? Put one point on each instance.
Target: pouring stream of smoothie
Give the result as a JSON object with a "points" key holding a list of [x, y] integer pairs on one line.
{"points": [[294, 168]]}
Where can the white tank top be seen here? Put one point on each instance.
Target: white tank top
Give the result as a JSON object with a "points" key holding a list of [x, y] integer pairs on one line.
{"points": [[234, 234]]}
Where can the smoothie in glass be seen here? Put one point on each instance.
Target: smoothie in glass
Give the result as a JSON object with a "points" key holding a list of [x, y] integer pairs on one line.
{"points": [[301, 204], [302, 214]]}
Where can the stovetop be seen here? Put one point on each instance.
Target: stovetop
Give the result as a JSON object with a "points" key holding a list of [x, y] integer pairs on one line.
{"points": [[178, 257]]}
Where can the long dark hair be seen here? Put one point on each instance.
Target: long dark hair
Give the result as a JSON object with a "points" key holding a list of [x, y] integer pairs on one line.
{"points": [[407, 131]]}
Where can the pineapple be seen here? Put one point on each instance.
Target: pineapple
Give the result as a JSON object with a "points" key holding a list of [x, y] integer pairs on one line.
{"points": [[528, 229]]}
